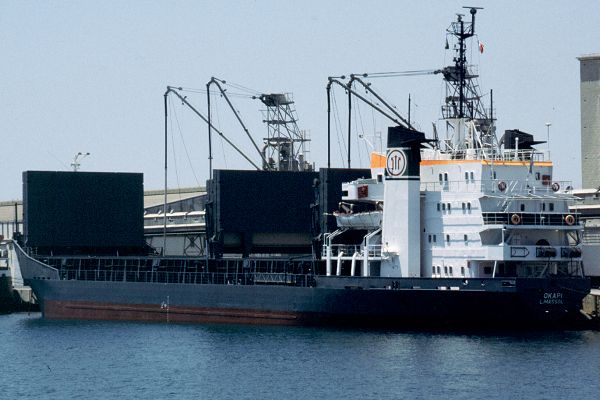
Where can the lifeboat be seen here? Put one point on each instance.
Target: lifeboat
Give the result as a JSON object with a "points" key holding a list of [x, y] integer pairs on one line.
{"points": [[361, 220]]}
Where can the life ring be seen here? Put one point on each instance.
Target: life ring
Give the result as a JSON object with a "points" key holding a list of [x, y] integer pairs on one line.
{"points": [[569, 219], [515, 219], [502, 186], [555, 187]]}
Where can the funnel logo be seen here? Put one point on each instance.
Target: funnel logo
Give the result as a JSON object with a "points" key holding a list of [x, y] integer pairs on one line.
{"points": [[395, 164]]}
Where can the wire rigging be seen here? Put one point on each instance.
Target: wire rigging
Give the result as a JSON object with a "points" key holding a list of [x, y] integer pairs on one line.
{"points": [[359, 136], [213, 92], [338, 129], [217, 115], [173, 148], [241, 87], [400, 73], [185, 148], [374, 124]]}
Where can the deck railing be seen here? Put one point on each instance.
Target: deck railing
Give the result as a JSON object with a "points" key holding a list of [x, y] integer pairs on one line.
{"points": [[216, 278]]}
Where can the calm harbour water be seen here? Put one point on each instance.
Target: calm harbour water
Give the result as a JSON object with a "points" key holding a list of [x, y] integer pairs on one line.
{"points": [[107, 360]]}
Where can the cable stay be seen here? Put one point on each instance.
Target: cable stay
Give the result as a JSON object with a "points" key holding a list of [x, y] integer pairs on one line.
{"points": [[217, 82], [338, 129], [355, 78], [215, 92], [400, 73], [174, 90], [185, 148], [392, 115]]}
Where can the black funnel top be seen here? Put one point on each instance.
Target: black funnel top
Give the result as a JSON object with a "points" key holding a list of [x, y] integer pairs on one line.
{"points": [[399, 136], [411, 141]]}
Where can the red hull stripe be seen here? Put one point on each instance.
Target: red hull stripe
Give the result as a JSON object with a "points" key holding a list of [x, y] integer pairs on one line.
{"points": [[142, 312]]}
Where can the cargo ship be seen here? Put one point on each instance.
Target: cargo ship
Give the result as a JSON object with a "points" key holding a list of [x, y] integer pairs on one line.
{"points": [[469, 231]]}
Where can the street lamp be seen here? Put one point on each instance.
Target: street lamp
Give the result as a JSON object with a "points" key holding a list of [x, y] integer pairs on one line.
{"points": [[76, 164]]}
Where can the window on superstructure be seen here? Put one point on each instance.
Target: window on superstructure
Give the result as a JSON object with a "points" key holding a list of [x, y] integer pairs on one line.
{"points": [[450, 269], [464, 206], [466, 176], [469, 206], [439, 206], [444, 206], [522, 206], [466, 238], [537, 176], [448, 239], [551, 206], [462, 271], [543, 206], [448, 206], [439, 269], [472, 175], [487, 270], [434, 238], [433, 271], [441, 177], [429, 238], [445, 270], [494, 175], [379, 178], [445, 176]]}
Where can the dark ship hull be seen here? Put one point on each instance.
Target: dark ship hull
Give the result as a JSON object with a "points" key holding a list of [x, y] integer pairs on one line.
{"points": [[374, 302]]}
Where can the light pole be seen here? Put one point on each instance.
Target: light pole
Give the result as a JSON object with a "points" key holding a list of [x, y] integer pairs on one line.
{"points": [[548, 125], [76, 164]]}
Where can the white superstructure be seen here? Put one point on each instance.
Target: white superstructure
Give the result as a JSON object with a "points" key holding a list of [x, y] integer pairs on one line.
{"points": [[469, 206]]}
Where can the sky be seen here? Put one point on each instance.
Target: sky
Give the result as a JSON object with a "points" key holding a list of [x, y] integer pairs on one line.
{"points": [[85, 76]]}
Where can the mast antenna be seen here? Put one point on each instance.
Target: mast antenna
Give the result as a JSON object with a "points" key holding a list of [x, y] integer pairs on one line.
{"points": [[463, 98]]}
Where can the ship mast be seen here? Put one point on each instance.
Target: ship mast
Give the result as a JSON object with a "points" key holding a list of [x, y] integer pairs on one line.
{"points": [[467, 120]]}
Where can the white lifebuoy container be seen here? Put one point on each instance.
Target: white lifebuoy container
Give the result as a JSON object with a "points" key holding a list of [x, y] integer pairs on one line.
{"points": [[502, 186], [569, 219], [555, 187], [515, 219]]}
